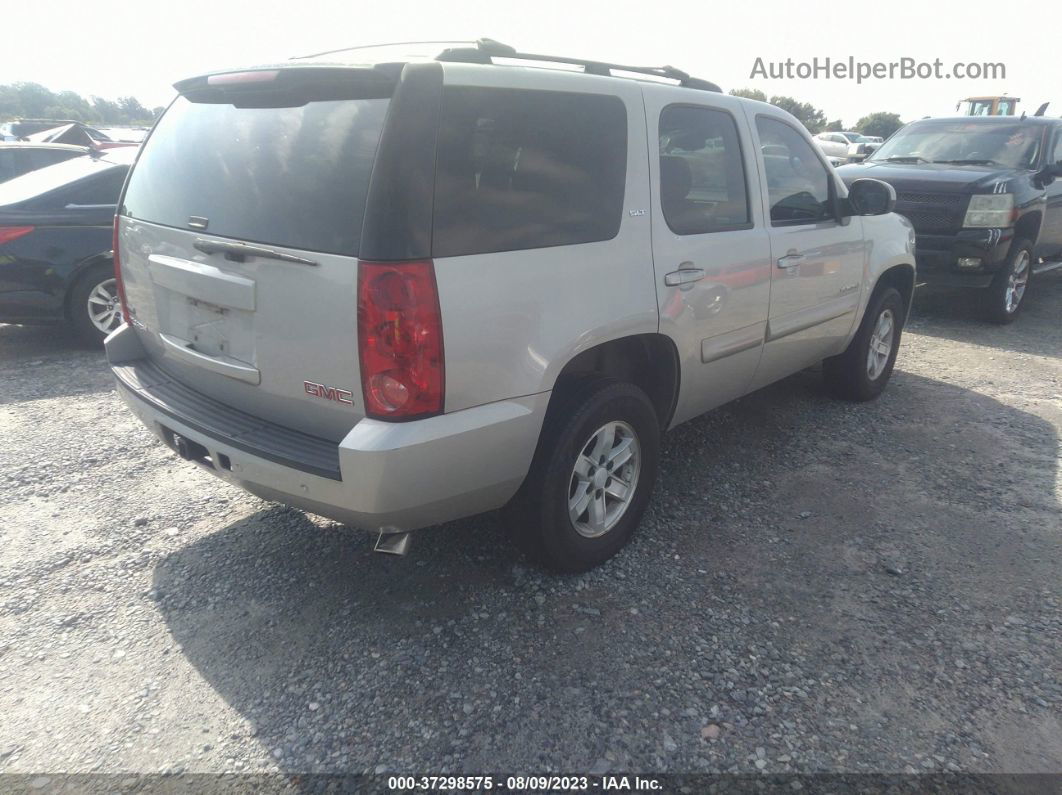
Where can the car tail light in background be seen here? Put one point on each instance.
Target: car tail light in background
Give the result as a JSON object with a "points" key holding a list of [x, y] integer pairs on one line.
{"points": [[400, 343], [9, 233], [118, 274]]}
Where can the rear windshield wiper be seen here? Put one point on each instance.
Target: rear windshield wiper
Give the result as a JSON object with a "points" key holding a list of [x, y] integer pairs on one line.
{"points": [[906, 159], [247, 250], [975, 161]]}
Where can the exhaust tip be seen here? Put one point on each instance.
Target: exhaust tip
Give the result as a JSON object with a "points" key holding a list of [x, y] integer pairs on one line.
{"points": [[392, 543]]}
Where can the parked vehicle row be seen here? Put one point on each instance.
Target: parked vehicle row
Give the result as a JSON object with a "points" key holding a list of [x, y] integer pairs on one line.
{"points": [[520, 277], [515, 289]]}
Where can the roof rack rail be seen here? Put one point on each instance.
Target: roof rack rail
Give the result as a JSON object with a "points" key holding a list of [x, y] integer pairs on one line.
{"points": [[377, 46], [486, 50]]}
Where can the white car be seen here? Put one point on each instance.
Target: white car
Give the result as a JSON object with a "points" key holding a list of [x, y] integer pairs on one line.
{"points": [[846, 147]]}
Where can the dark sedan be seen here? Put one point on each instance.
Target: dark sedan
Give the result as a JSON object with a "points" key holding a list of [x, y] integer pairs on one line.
{"points": [[55, 244]]}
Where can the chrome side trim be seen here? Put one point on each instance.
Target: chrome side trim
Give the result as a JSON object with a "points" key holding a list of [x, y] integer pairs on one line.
{"points": [[224, 365], [732, 342], [202, 282], [812, 316]]}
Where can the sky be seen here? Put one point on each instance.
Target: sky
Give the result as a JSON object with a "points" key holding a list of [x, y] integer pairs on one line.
{"points": [[110, 49]]}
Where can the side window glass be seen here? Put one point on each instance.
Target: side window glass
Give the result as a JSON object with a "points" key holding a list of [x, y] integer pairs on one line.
{"points": [[102, 189], [523, 169], [798, 184], [702, 177], [1058, 149], [8, 166]]}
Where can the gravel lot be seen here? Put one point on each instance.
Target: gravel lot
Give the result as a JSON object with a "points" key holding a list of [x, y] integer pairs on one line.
{"points": [[817, 587]]}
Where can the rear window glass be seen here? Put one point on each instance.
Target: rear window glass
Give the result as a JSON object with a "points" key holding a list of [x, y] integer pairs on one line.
{"points": [[520, 169], [293, 177], [43, 180]]}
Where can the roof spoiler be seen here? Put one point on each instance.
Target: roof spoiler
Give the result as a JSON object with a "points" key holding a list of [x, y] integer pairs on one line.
{"points": [[290, 86]]}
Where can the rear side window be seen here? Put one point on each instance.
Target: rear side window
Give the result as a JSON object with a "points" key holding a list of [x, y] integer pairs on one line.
{"points": [[798, 185], [702, 179], [39, 158], [9, 164], [96, 191], [290, 176], [520, 169]]}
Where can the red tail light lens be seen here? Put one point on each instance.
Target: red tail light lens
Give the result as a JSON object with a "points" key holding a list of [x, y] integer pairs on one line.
{"points": [[9, 233], [400, 341], [118, 274]]}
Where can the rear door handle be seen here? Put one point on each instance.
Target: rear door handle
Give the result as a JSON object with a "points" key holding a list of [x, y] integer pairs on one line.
{"points": [[790, 260], [683, 276]]}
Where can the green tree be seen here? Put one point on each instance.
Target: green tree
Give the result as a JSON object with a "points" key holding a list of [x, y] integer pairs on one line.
{"points": [[835, 126], [105, 111], [881, 124], [749, 93], [132, 110], [810, 116]]}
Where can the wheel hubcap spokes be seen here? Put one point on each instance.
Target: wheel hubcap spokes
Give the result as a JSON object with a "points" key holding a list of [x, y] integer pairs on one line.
{"points": [[104, 306], [1016, 282], [880, 344], [604, 479]]}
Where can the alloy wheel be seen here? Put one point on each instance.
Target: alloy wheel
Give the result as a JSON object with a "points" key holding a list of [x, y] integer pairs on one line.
{"points": [[104, 306], [604, 479], [880, 344], [1017, 282]]}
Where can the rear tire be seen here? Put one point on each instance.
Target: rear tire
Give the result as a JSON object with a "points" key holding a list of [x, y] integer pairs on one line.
{"points": [[93, 304], [591, 477], [1005, 297], [862, 371]]}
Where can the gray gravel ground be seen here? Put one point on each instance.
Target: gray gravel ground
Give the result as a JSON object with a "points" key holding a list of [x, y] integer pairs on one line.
{"points": [[817, 587]]}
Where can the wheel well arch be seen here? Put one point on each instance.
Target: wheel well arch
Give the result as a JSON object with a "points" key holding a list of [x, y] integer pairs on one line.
{"points": [[1028, 226], [649, 361], [79, 272], [902, 278]]}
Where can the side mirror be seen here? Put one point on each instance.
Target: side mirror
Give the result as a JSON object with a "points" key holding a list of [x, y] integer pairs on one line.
{"points": [[1049, 173], [871, 197]]}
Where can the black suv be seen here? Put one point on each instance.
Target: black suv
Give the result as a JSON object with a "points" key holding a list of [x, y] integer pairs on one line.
{"points": [[985, 197]]}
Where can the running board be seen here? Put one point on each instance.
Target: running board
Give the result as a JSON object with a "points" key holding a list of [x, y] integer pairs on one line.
{"points": [[1047, 267]]}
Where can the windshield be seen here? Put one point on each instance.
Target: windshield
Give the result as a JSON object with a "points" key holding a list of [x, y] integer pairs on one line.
{"points": [[1012, 145], [852, 137], [39, 182]]}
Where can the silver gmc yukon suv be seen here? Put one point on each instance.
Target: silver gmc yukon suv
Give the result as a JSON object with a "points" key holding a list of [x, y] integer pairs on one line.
{"points": [[399, 292]]}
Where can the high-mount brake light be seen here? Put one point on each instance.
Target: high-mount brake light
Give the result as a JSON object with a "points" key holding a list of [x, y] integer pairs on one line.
{"points": [[241, 78], [400, 343]]}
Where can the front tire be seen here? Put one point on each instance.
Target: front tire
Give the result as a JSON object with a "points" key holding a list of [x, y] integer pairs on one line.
{"points": [[863, 370], [1004, 298], [591, 477], [93, 305]]}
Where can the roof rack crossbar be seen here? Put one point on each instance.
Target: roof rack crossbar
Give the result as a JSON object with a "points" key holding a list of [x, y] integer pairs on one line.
{"points": [[487, 49]]}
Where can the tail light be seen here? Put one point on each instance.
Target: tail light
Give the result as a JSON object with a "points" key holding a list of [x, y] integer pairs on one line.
{"points": [[400, 343], [9, 233], [118, 274]]}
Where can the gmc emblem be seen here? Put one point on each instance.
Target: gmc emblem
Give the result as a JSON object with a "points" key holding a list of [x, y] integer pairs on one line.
{"points": [[328, 392]]}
